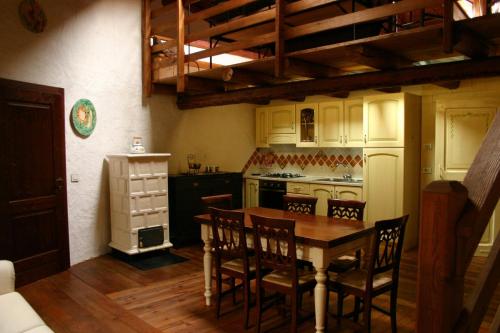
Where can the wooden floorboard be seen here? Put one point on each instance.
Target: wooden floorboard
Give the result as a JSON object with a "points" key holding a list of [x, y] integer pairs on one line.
{"points": [[108, 295]]}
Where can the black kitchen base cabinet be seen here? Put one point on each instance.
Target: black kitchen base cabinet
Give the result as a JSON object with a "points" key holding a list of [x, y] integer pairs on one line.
{"points": [[184, 201]]}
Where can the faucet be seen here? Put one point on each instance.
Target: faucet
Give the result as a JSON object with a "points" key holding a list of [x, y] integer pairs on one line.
{"points": [[347, 175]]}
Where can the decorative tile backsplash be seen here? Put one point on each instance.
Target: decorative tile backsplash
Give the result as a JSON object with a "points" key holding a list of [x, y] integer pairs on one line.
{"points": [[269, 159]]}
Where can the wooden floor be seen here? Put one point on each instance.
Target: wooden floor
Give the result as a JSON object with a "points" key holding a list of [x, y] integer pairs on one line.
{"points": [[107, 295]]}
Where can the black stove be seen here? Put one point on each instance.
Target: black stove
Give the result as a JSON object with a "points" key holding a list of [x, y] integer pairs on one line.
{"points": [[282, 175]]}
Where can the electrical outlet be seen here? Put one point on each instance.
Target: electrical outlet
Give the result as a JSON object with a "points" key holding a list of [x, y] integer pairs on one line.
{"points": [[75, 178], [427, 170]]}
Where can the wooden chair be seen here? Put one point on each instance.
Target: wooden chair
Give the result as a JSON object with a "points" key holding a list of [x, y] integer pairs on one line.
{"points": [[231, 256], [221, 201], [345, 209], [380, 276], [301, 204], [278, 254]]}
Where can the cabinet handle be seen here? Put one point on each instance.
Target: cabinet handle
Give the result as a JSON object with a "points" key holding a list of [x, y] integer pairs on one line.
{"points": [[292, 125], [316, 139], [340, 139], [336, 194], [365, 138], [345, 138], [364, 158]]}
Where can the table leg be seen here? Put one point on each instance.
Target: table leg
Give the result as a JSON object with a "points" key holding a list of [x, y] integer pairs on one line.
{"points": [[320, 294], [207, 267]]}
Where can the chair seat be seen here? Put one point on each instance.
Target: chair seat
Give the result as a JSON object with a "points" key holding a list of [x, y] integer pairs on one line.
{"points": [[283, 278], [357, 279], [237, 265], [343, 264]]}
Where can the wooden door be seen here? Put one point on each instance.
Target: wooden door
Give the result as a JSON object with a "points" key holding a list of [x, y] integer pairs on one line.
{"points": [[323, 193], [33, 213], [307, 125], [383, 117], [353, 123], [331, 124], [383, 177], [460, 130], [261, 139], [251, 193]]}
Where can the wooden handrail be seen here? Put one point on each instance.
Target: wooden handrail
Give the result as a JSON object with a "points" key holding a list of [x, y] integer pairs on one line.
{"points": [[454, 217]]}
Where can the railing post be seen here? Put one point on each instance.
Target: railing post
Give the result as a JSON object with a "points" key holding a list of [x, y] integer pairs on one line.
{"points": [[447, 26], [181, 83], [439, 289], [146, 48]]}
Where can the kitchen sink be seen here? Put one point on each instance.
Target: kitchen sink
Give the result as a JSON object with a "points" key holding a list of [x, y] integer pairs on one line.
{"points": [[339, 179]]}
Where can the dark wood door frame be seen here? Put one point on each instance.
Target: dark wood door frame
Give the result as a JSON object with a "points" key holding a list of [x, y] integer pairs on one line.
{"points": [[42, 212]]}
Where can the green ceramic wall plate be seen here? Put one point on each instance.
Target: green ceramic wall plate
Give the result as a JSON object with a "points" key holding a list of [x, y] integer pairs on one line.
{"points": [[83, 117]]}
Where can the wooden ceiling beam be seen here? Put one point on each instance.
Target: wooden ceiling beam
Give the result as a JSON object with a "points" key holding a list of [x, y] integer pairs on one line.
{"points": [[339, 94], [279, 42], [202, 84], [449, 84], [376, 57], [408, 76], [390, 90], [240, 75], [310, 69], [471, 44]]}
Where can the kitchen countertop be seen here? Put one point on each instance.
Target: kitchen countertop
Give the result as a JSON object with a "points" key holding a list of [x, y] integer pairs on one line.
{"points": [[312, 180]]}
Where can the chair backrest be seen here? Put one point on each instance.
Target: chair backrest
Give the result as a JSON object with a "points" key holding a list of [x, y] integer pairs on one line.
{"points": [[274, 244], [346, 209], [300, 204], [222, 201], [228, 229], [387, 248]]}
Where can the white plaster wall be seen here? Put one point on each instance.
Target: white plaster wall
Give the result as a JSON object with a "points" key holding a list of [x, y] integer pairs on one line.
{"points": [[92, 50]]}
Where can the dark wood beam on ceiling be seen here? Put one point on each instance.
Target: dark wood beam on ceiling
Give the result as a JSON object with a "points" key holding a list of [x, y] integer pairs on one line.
{"points": [[181, 82], [449, 84], [376, 58], [470, 43], [240, 75], [448, 26], [408, 76], [199, 84], [310, 69], [279, 42], [297, 99], [390, 89]]}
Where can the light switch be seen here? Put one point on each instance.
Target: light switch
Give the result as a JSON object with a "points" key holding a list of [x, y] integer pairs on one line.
{"points": [[75, 178], [428, 146], [427, 170]]}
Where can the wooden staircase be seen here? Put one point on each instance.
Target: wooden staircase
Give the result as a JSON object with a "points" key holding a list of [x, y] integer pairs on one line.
{"points": [[454, 217]]}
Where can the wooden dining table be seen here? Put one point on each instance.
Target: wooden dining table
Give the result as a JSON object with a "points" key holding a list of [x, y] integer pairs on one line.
{"points": [[319, 240]]}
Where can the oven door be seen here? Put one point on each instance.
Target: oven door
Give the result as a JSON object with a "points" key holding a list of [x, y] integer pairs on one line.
{"points": [[271, 198]]}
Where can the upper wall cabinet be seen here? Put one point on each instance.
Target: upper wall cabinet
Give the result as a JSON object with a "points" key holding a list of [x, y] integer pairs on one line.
{"points": [[307, 125], [385, 119], [341, 123], [281, 124]]}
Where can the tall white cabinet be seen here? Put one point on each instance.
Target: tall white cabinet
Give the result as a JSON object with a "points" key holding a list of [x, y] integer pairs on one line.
{"points": [[391, 158], [139, 202]]}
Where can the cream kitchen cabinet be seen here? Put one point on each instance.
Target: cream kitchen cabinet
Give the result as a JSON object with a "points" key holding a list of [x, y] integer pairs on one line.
{"points": [[391, 120], [349, 193], [341, 123], [139, 202], [275, 125], [251, 193], [261, 135], [307, 125], [325, 192], [298, 188]]}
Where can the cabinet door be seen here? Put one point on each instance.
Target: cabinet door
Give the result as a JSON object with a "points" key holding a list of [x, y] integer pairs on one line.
{"points": [[252, 193], [307, 125], [261, 128], [323, 193], [353, 123], [349, 193], [331, 124], [298, 188], [281, 119], [383, 176], [384, 120]]}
